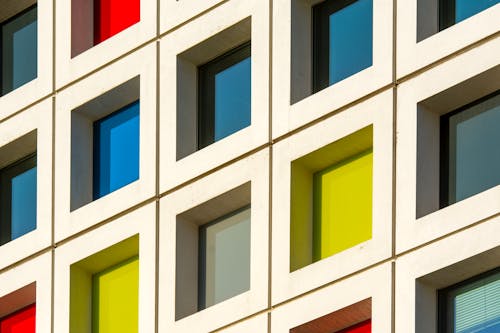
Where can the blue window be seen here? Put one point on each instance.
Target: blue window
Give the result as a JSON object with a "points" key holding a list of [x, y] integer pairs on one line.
{"points": [[18, 50], [116, 150], [224, 96], [18, 199], [454, 11], [471, 306], [342, 40], [471, 153]]}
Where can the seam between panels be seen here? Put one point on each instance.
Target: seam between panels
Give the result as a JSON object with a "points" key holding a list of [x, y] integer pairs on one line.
{"points": [[270, 166], [157, 186]]}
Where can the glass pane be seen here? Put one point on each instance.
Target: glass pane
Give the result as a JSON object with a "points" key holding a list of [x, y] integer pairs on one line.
{"points": [[232, 99], [23, 204], [19, 51], [22, 321], [351, 30], [477, 308], [113, 16], [116, 150], [474, 150], [115, 300], [343, 205], [468, 8], [227, 258]]}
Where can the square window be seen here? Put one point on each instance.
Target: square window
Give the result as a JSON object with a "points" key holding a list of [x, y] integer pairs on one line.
{"points": [[471, 305], [213, 239], [105, 288], [224, 268], [214, 89], [18, 199], [454, 11], [21, 321], [342, 40], [355, 318], [94, 21], [116, 150], [224, 86], [18, 40], [331, 199], [105, 144], [471, 155]]}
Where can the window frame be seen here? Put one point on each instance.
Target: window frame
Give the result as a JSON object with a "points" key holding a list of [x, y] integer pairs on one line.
{"points": [[321, 41], [2, 24], [202, 245], [206, 90], [6, 174], [444, 146], [444, 312]]}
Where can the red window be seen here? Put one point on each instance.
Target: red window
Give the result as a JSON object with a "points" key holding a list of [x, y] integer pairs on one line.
{"points": [[364, 327], [113, 16], [22, 321]]}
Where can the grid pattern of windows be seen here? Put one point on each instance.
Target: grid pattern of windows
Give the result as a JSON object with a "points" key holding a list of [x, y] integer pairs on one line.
{"points": [[243, 166]]}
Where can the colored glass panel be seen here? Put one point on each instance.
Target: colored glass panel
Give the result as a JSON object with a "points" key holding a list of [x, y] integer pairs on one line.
{"points": [[19, 50], [23, 203], [467, 8], [116, 150], [225, 267], [232, 99], [115, 301], [350, 44], [342, 205], [364, 327], [113, 16], [474, 152], [22, 321]]}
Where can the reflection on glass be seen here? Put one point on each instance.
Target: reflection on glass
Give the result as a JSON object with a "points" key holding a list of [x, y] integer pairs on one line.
{"points": [[474, 149], [19, 50], [116, 150], [351, 30], [225, 258]]}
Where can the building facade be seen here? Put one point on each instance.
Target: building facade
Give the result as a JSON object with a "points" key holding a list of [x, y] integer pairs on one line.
{"points": [[243, 166]]}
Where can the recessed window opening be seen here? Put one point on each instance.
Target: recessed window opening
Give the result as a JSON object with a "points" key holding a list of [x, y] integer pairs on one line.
{"points": [[471, 153], [471, 305], [224, 90], [19, 49], [342, 40], [94, 21], [18, 310]]}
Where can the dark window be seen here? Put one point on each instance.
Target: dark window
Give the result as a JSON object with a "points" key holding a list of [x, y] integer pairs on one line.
{"points": [[342, 40], [224, 90], [471, 306], [224, 258], [116, 150], [18, 57], [470, 158], [18, 199], [454, 11]]}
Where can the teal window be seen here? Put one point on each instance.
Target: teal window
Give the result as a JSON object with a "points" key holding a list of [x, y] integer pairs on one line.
{"points": [[342, 40], [18, 56], [224, 88], [116, 150], [471, 306], [454, 11], [470, 147], [18, 199], [224, 252]]}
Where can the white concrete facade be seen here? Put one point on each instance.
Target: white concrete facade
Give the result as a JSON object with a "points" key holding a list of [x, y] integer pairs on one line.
{"points": [[415, 249]]}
